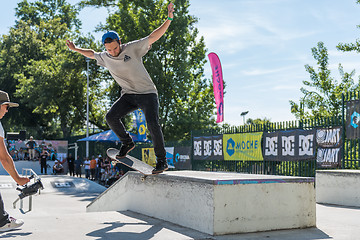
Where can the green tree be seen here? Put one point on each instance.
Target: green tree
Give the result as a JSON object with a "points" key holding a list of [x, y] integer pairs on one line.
{"points": [[348, 47], [45, 77], [175, 61], [322, 94], [257, 121]]}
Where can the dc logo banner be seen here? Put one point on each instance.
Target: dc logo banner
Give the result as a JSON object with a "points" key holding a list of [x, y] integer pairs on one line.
{"points": [[208, 148], [271, 146], [353, 119], [289, 145]]}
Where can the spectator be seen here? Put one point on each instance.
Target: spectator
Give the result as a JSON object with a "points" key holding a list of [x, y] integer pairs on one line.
{"points": [[100, 162], [21, 154], [54, 155], [93, 165], [78, 164], [87, 168], [58, 168], [43, 157], [71, 162], [31, 144], [112, 178], [105, 176]]}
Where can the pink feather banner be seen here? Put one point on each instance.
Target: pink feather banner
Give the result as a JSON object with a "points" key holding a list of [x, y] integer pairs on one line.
{"points": [[218, 85]]}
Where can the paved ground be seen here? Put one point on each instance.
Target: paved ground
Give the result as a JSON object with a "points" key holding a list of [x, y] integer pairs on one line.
{"points": [[59, 213]]}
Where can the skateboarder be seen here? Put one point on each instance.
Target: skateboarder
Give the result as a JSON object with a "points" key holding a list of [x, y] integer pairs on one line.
{"points": [[6, 222], [124, 62]]}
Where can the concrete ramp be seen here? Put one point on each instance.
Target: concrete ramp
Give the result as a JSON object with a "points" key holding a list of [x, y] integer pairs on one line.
{"points": [[338, 186], [215, 203]]}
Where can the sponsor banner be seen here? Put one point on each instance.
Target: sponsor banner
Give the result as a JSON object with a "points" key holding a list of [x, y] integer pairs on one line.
{"points": [[208, 148], [271, 146], [243, 146], [289, 145], [182, 159], [217, 85], [148, 156], [353, 119], [329, 137], [140, 124], [170, 156], [328, 157]]}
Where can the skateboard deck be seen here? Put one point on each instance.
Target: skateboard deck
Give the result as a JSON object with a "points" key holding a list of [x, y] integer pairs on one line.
{"points": [[131, 162]]}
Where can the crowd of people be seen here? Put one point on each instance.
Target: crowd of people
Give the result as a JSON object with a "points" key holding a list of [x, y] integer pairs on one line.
{"points": [[96, 168], [29, 150]]}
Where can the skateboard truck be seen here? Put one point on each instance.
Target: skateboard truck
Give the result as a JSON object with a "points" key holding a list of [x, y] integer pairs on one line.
{"points": [[27, 191]]}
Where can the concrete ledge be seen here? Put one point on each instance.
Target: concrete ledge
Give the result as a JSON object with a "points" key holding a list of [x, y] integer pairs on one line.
{"points": [[340, 187], [215, 203]]}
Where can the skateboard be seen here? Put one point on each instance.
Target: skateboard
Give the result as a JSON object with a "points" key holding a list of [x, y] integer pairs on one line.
{"points": [[131, 162]]}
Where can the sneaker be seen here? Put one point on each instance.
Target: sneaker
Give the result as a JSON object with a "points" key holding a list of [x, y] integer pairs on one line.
{"points": [[160, 167], [125, 149], [13, 223]]}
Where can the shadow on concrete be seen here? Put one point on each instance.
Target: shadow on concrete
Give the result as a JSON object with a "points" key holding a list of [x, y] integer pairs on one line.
{"points": [[144, 228], [14, 234], [339, 206], [84, 197], [293, 234]]}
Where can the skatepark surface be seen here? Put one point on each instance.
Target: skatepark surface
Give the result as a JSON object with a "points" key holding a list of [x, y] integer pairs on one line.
{"points": [[59, 212]]}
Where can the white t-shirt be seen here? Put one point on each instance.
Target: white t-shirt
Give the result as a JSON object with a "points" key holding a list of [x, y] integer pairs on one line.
{"points": [[87, 164], [2, 132], [128, 69]]}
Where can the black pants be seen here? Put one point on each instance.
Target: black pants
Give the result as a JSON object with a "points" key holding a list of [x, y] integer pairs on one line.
{"points": [[150, 105], [4, 216], [78, 171], [92, 171], [43, 166], [72, 170]]}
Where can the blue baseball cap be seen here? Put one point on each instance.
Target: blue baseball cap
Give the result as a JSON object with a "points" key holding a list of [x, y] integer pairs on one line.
{"points": [[110, 34]]}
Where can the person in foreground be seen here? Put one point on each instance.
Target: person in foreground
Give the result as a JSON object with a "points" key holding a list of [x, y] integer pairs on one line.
{"points": [[124, 62], [6, 222]]}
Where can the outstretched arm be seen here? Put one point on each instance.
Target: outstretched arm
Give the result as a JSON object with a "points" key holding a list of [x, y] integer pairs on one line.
{"points": [[157, 33], [85, 52]]}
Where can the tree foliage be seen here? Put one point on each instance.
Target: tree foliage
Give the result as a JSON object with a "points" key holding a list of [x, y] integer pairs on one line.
{"points": [[322, 93], [40, 72], [175, 61], [49, 81], [257, 121], [348, 47]]}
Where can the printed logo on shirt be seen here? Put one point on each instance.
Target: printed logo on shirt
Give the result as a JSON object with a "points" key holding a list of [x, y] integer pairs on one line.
{"points": [[127, 58]]}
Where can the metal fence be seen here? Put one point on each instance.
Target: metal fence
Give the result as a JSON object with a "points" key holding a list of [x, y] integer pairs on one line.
{"points": [[305, 168], [351, 147]]}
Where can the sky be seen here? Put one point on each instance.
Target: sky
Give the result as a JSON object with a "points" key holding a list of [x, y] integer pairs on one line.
{"points": [[263, 46]]}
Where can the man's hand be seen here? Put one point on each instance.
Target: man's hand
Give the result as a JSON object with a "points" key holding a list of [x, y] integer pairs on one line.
{"points": [[171, 10], [157, 33], [86, 52], [70, 45], [22, 180]]}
